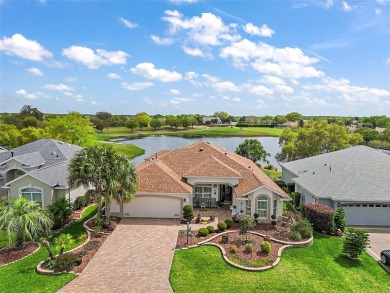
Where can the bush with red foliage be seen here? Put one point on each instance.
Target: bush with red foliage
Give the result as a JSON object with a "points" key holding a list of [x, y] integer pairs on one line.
{"points": [[320, 215]]}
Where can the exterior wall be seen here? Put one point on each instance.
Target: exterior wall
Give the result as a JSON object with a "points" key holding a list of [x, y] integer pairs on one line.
{"points": [[74, 193], [29, 182], [306, 197], [327, 201], [287, 176], [271, 197]]}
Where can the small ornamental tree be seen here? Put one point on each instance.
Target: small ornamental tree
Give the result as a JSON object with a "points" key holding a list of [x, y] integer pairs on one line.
{"points": [[339, 219], [320, 215], [188, 212], [64, 241], [355, 242], [246, 222]]}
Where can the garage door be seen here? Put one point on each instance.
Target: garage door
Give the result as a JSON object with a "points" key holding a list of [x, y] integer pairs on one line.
{"points": [[153, 207], [367, 214]]}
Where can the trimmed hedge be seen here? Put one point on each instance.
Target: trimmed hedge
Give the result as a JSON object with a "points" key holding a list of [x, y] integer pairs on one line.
{"points": [[202, 232], [254, 125], [222, 226], [228, 223], [210, 228], [320, 215], [265, 246]]}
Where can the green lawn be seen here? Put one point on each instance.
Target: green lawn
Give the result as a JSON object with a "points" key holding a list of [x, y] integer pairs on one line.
{"points": [[319, 268], [272, 174], [21, 276]]}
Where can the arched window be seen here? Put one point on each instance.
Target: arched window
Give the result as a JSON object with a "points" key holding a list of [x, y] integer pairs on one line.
{"points": [[262, 207], [32, 194]]}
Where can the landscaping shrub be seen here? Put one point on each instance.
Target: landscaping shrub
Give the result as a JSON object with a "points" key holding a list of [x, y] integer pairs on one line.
{"points": [[233, 249], [297, 199], [355, 242], [320, 215], [240, 124], [90, 196], [304, 227], [222, 226], [225, 238], [202, 232], [228, 223], [61, 211], [79, 203], [295, 235], [210, 229], [246, 222], [65, 262], [339, 219], [188, 212], [248, 247], [265, 246]]}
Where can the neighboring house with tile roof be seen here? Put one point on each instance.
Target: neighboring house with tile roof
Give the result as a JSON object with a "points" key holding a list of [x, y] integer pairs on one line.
{"points": [[38, 171], [356, 178], [201, 173]]}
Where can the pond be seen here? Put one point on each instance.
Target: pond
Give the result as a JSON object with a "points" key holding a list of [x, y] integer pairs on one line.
{"points": [[152, 144]]}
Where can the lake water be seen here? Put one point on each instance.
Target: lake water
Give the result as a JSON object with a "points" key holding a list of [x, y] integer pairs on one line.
{"points": [[152, 144]]}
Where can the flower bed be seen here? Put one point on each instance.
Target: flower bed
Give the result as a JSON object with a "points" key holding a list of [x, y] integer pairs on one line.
{"points": [[92, 227], [256, 258], [10, 254]]}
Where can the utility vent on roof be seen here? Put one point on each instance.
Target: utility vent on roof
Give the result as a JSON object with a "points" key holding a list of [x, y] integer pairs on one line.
{"points": [[225, 153], [60, 142], [201, 149]]}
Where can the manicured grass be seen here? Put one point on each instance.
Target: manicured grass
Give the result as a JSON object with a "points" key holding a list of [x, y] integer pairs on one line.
{"points": [[21, 276], [272, 174], [319, 268]]}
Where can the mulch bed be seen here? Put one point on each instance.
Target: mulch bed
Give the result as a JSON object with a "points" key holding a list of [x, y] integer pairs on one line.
{"points": [[256, 258], [10, 253], [280, 232], [106, 229]]}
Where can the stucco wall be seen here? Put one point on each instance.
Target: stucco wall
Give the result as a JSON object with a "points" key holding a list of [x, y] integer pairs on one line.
{"points": [[326, 201], [306, 197], [287, 176], [29, 182]]}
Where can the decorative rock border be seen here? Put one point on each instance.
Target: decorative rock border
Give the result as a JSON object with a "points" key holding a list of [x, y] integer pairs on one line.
{"points": [[44, 271], [287, 244], [91, 230], [39, 246]]}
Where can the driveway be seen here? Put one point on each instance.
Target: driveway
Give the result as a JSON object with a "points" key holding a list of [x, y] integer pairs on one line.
{"points": [[136, 257], [379, 240]]}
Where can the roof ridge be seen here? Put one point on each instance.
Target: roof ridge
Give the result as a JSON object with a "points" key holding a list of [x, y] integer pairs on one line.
{"points": [[215, 159], [171, 174]]}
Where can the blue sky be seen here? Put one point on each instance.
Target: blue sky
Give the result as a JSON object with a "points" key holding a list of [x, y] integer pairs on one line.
{"points": [[196, 56]]}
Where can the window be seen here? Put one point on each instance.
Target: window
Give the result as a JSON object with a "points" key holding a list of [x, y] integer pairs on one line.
{"points": [[203, 191], [32, 194], [262, 207], [248, 207], [275, 207]]}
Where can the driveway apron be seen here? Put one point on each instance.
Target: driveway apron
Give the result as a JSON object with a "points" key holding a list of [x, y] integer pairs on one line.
{"points": [[136, 257]]}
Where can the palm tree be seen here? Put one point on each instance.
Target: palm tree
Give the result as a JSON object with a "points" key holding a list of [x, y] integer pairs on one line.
{"points": [[94, 166], [253, 150], [23, 220], [123, 184], [61, 210]]}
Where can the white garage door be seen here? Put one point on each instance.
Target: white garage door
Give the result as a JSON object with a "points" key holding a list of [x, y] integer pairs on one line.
{"points": [[367, 214], [153, 207]]}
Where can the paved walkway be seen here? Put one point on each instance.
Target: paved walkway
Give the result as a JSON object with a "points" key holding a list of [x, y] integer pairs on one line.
{"points": [[136, 257]]}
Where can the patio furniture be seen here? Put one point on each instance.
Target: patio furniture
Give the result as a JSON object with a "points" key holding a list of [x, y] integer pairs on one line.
{"points": [[202, 205], [213, 203]]}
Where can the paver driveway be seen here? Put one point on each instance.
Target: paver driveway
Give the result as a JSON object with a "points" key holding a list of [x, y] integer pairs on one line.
{"points": [[136, 257]]}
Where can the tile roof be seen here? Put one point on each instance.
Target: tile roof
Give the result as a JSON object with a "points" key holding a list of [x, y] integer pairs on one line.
{"points": [[49, 155], [201, 159], [355, 174]]}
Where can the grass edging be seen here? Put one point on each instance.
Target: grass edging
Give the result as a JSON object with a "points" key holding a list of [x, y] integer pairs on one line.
{"points": [[275, 263], [39, 246]]}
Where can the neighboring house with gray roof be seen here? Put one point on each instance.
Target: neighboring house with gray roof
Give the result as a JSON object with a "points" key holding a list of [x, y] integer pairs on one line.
{"points": [[38, 171], [357, 178]]}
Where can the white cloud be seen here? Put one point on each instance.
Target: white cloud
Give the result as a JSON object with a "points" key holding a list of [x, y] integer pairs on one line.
{"points": [[258, 90], [284, 89], [94, 103], [114, 76], [378, 11], [94, 60], [218, 85], [35, 71], [20, 46], [127, 23], [174, 92], [78, 98], [327, 4], [236, 100], [388, 60], [161, 41], [272, 80], [382, 2], [177, 101], [148, 101], [149, 71], [71, 79], [261, 104], [24, 93], [206, 30], [191, 75], [196, 52], [42, 2], [183, 1], [58, 87], [346, 6], [136, 86], [225, 98], [263, 31]]}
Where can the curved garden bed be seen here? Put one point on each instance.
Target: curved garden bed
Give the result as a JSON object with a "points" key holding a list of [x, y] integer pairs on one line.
{"points": [[10, 254], [256, 260]]}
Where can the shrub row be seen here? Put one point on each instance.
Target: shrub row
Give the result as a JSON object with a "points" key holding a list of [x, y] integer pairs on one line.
{"points": [[320, 215], [254, 125]]}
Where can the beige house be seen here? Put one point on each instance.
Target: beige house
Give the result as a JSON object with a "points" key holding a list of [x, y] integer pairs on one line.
{"points": [[203, 175], [38, 171]]}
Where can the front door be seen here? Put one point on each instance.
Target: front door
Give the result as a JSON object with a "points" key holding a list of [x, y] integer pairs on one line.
{"points": [[225, 192]]}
